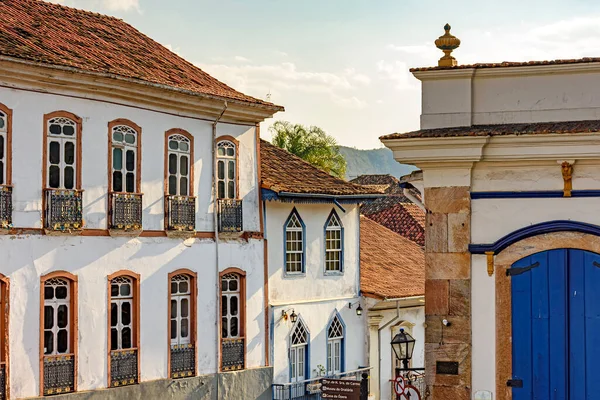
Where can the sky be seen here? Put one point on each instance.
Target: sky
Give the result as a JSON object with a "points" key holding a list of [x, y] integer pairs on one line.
{"points": [[343, 65]]}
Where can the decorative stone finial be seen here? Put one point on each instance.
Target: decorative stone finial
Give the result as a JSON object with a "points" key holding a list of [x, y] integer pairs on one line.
{"points": [[447, 43]]}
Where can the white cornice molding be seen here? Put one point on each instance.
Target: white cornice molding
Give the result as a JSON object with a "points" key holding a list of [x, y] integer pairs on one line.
{"points": [[433, 74], [127, 92], [447, 150]]}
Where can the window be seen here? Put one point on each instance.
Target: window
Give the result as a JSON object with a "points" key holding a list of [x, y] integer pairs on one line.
{"points": [[334, 242], [233, 314], [5, 145], [180, 309], [58, 341], [178, 164], [335, 342], [227, 169], [123, 329], [294, 244], [182, 317], [125, 151], [63, 148], [230, 306], [4, 341], [298, 352]]}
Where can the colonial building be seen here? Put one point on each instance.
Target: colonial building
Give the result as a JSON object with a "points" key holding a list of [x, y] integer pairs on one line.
{"points": [[312, 226], [392, 283], [131, 213], [510, 154]]}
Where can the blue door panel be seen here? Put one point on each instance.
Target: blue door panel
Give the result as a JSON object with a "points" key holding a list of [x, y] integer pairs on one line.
{"points": [[592, 325], [540, 321], [557, 295], [521, 314], [576, 322]]}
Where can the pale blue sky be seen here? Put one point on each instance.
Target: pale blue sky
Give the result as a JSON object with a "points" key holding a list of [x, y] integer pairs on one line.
{"points": [[343, 64]]}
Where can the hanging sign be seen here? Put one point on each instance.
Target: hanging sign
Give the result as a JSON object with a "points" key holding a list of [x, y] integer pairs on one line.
{"points": [[340, 389]]}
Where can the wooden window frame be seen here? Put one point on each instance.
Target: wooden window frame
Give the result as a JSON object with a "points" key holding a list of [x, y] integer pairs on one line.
{"points": [[177, 131], [74, 318], [193, 313], [8, 145], [228, 138], [326, 228], [242, 307], [136, 319], [5, 331], [302, 271], [138, 161]]}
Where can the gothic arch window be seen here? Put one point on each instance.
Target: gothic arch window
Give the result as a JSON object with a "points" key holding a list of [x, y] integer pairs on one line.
{"points": [[334, 243], [294, 250], [336, 331], [299, 352]]}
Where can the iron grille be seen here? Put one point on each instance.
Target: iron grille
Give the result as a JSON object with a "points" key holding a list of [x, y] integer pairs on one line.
{"points": [[6, 206], [123, 367], [181, 213], [59, 374], [230, 215], [2, 381], [63, 210], [126, 211], [232, 354], [183, 361]]}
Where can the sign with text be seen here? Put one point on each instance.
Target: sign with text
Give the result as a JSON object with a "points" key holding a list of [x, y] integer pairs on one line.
{"points": [[340, 389]]}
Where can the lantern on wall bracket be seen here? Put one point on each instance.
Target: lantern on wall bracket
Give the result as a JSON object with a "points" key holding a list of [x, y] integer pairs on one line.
{"points": [[359, 309], [403, 345], [293, 316]]}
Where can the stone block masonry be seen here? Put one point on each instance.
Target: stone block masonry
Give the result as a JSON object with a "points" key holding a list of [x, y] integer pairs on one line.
{"points": [[448, 291]]}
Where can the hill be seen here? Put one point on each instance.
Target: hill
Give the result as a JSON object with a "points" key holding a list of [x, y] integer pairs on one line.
{"points": [[375, 161]]}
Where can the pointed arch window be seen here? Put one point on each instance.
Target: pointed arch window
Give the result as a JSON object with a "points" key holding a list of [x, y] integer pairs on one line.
{"points": [[335, 346], [294, 231], [334, 243], [58, 341], [299, 342], [182, 324], [123, 329]]}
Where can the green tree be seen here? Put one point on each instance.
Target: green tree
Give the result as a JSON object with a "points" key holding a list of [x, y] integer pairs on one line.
{"points": [[311, 144]]}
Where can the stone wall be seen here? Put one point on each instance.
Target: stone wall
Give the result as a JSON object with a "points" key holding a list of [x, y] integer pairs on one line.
{"points": [[249, 384], [448, 291]]}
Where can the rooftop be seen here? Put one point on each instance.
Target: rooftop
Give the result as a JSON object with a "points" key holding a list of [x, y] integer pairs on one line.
{"points": [[391, 266], [38, 32], [508, 64], [283, 172]]}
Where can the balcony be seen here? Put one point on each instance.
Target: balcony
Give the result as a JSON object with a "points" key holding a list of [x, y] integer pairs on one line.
{"points": [[180, 215], [59, 374], [63, 211], [123, 367], [183, 361], [6, 207], [125, 214], [2, 381], [230, 216], [232, 354]]}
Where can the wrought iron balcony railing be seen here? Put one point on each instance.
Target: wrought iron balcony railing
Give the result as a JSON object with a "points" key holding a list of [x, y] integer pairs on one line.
{"points": [[232, 354], [59, 374], [123, 367], [2, 381], [183, 361], [230, 216], [181, 213], [63, 212], [126, 211], [6, 206]]}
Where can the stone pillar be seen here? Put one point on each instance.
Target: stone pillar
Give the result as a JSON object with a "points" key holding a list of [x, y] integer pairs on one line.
{"points": [[374, 321], [448, 293]]}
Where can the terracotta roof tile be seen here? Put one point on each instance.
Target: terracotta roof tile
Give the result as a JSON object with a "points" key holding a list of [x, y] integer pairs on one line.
{"points": [[390, 265], [284, 172], [532, 128], [406, 219], [506, 64], [40, 32]]}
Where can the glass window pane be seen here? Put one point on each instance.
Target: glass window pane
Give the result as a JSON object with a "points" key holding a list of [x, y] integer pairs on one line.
{"points": [[233, 326], [126, 338], [2, 123], [54, 177], [185, 308], [224, 307], [69, 178], [224, 331], [48, 317], [114, 339], [173, 287], [173, 329], [69, 153], [68, 130], [184, 146], [61, 292], [48, 342], [183, 186], [48, 292], [183, 165], [126, 313], [233, 286], [117, 159], [62, 316], [117, 181], [172, 185], [55, 129], [114, 290], [130, 160], [183, 287], [173, 308], [1, 146], [221, 190], [117, 136], [220, 151], [62, 341], [172, 164], [234, 305], [230, 189], [173, 145], [54, 153], [220, 170], [125, 289], [130, 138], [114, 314], [130, 182], [1, 172], [231, 170], [230, 151], [184, 328], [224, 285]]}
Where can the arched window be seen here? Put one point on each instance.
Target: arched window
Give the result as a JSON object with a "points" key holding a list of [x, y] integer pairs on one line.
{"points": [[5, 145], [335, 345], [227, 165], [58, 342], [294, 244], [334, 243], [125, 154], [179, 163], [233, 314], [123, 335], [63, 149], [299, 341], [182, 324], [4, 340]]}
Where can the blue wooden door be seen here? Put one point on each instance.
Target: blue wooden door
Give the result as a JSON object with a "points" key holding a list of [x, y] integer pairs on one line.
{"points": [[556, 326]]}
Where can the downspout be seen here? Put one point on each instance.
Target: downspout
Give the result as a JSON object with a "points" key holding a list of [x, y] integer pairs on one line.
{"points": [[406, 192], [216, 229], [379, 342]]}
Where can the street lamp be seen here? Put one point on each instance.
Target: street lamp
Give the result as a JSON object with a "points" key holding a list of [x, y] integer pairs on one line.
{"points": [[359, 309], [403, 345]]}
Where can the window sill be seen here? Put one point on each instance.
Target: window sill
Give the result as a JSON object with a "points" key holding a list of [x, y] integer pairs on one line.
{"points": [[333, 273], [292, 275]]}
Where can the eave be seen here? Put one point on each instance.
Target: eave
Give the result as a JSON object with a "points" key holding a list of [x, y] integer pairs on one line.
{"points": [[287, 197]]}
